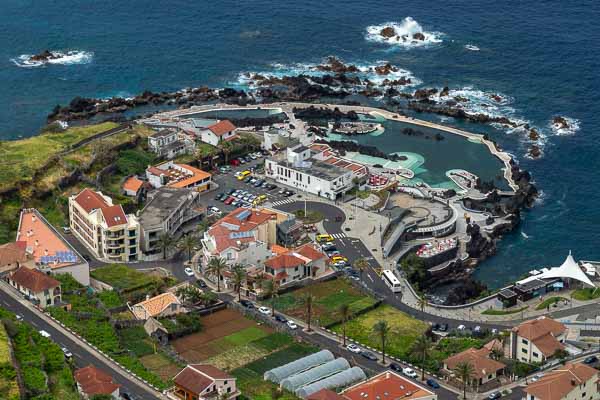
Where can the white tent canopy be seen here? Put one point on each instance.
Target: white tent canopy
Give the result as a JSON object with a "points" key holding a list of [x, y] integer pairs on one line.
{"points": [[569, 269]]}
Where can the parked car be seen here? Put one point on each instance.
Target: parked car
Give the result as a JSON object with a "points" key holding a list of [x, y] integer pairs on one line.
{"points": [[66, 352], [281, 191], [213, 210], [271, 186], [66, 229], [231, 191], [259, 182], [201, 284], [590, 360], [247, 303], [328, 246], [188, 271], [219, 196], [537, 377], [461, 327], [19, 317], [409, 372], [368, 355], [395, 367], [353, 348], [432, 383], [127, 396], [494, 396], [234, 162], [280, 318], [292, 325], [288, 193], [264, 310], [44, 333], [229, 200], [444, 328]]}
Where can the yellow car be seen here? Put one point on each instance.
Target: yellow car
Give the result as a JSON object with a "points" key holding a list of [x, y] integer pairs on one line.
{"points": [[243, 175], [324, 238], [338, 258], [260, 199]]}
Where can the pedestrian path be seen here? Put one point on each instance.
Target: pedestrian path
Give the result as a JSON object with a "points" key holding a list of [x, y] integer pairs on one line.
{"points": [[284, 201], [338, 235]]}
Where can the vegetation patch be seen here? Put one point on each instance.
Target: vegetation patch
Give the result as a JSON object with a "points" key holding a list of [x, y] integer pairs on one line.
{"points": [[491, 311], [9, 388], [550, 301], [161, 365], [585, 294], [404, 330], [311, 216]]}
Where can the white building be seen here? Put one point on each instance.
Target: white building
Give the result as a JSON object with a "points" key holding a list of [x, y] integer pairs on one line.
{"points": [[103, 227], [216, 133], [571, 382], [537, 340], [178, 176], [169, 143], [297, 169]]}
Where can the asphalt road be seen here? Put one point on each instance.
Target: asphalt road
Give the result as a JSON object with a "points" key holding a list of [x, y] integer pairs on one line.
{"points": [[81, 355]]}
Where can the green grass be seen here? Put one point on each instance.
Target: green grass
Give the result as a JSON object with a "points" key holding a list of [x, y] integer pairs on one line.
{"points": [[245, 336], [9, 388], [549, 302], [121, 277], [404, 329], [311, 217], [585, 294], [110, 299], [136, 340], [491, 311], [19, 159], [329, 296]]}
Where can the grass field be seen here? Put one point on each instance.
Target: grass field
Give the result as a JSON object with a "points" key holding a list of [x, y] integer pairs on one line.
{"points": [[492, 311], [329, 296], [549, 302], [404, 329], [161, 366], [585, 294], [121, 277], [20, 158], [9, 388]]}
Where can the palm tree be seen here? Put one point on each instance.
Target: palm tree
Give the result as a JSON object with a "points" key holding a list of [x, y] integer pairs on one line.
{"points": [[421, 349], [239, 277], [361, 265], [226, 149], [308, 300], [344, 310], [464, 371], [271, 288], [189, 295], [188, 243], [207, 298], [259, 280], [166, 243], [382, 329], [422, 302], [215, 267]]}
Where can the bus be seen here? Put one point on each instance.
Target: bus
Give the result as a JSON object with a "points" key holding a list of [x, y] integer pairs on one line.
{"points": [[391, 280]]}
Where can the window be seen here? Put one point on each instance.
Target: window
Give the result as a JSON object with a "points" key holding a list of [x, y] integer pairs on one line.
{"points": [[583, 394], [524, 351], [524, 341], [535, 354]]}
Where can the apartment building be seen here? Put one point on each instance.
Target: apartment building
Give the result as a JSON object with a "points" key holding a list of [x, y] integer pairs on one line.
{"points": [[574, 381], [537, 340]]}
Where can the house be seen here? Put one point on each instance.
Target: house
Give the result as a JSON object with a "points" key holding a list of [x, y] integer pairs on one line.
{"points": [[203, 382], [134, 187], [13, 255], [386, 385], [169, 143], [326, 394], [92, 381], [571, 382], [103, 227], [484, 368], [292, 266], [537, 340], [168, 210], [178, 176], [156, 330], [41, 288], [298, 169], [163, 305], [50, 251], [214, 134], [244, 236]]}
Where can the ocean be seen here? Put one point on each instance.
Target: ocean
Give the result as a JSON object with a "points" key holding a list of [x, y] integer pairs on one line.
{"points": [[541, 57]]}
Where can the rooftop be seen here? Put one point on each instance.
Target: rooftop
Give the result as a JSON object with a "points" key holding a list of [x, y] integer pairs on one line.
{"points": [[93, 381], [33, 279], [238, 227], [133, 184], [482, 364], [12, 253], [179, 175], [386, 385], [557, 384], [542, 332], [222, 127], [90, 201], [154, 305], [197, 377], [43, 242], [163, 133], [162, 203]]}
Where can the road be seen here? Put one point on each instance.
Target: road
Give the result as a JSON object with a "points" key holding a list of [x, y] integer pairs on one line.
{"points": [[82, 354]]}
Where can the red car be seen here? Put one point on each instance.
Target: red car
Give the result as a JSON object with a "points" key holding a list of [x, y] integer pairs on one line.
{"points": [[235, 162], [229, 200]]}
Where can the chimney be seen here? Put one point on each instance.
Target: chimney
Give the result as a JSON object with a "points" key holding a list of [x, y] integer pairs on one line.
{"points": [[37, 243], [147, 297]]}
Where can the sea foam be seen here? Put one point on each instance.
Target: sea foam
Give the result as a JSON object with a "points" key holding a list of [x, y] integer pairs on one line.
{"points": [[64, 58], [559, 130], [404, 34]]}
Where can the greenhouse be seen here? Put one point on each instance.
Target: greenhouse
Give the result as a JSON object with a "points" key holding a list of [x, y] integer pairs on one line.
{"points": [[278, 374], [341, 379], [295, 382]]}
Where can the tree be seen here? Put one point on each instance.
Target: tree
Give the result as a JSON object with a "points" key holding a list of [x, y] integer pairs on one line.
{"points": [[381, 329], [258, 281], [344, 310], [207, 298], [189, 295], [464, 371], [421, 349], [422, 302], [226, 148], [188, 243], [560, 354], [165, 243], [497, 353], [239, 277], [361, 265], [308, 300], [215, 267], [271, 288]]}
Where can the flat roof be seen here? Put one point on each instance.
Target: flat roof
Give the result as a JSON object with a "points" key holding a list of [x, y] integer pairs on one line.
{"points": [[161, 205]]}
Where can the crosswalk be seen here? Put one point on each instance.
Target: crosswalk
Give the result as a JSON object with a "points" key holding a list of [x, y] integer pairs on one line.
{"points": [[340, 235], [284, 201]]}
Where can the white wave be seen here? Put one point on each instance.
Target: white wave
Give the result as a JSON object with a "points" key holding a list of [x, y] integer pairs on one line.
{"points": [[524, 235], [64, 58], [559, 130], [404, 34], [471, 47]]}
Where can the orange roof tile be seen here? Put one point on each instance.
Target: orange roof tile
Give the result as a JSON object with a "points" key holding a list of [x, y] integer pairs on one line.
{"points": [[93, 381], [114, 215], [557, 384], [197, 175], [386, 385], [90, 200], [479, 360], [33, 279], [309, 250], [41, 239], [325, 394], [542, 332], [133, 184], [155, 305], [12, 253], [222, 127], [284, 261], [277, 249]]}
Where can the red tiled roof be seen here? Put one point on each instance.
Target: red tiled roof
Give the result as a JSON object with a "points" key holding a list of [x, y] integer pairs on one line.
{"points": [[222, 127], [133, 184], [284, 261], [114, 215], [94, 381], [325, 394], [309, 250], [479, 360], [197, 377], [557, 384], [211, 371], [12, 253], [90, 200], [386, 385], [542, 332], [33, 280]]}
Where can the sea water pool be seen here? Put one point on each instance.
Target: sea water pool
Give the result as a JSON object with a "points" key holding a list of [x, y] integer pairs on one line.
{"points": [[239, 113]]}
